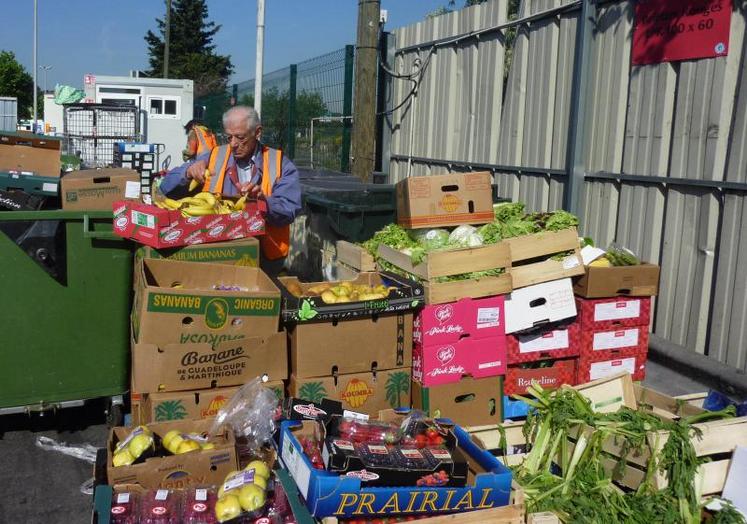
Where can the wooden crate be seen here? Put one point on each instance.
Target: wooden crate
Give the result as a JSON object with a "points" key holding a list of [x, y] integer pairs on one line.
{"points": [[489, 438], [544, 245], [456, 262], [354, 256]]}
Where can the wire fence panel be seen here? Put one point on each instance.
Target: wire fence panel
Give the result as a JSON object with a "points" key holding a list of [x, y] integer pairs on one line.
{"points": [[291, 98]]}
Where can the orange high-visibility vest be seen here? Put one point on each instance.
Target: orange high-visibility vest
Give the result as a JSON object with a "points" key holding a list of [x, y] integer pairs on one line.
{"points": [[205, 139], [276, 240]]}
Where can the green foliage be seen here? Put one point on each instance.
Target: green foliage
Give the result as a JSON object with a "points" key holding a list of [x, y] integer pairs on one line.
{"points": [[312, 391], [397, 384], [16, 81], [170, 410], [191, 52]]}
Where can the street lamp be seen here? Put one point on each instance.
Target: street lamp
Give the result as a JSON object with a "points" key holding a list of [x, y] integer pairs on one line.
{"points": [[45, 68]]}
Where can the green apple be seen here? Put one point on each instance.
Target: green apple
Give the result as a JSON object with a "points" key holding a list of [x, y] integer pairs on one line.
{"points": [[168, 437], [260, 469], [227, 508], [122, 458], [186, 446], [251, 497], [139, 444]]}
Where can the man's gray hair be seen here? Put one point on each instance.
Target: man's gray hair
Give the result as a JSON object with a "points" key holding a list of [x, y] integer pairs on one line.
{"points": [[246, 113]]}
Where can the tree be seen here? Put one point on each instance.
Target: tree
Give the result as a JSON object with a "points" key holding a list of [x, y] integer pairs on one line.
{"points": [[275, 113], [191, 53], [16, 81]]}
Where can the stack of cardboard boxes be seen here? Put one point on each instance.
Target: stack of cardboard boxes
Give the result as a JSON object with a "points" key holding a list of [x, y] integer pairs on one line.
{"points": [[357, 353], [614, 306], [205, 320]]}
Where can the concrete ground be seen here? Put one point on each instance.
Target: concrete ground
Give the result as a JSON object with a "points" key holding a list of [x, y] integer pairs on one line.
{"points": [[44, 487]]}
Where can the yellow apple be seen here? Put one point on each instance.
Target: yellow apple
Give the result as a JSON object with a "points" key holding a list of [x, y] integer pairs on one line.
{"points": [[186, 446], [122, 458], [251, 497], [208, 445], [139, 444], [260, 481], [227, 508], [168, 437], [260, 469]]}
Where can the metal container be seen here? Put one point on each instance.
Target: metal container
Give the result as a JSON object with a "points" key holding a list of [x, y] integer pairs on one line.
{"points": [[8, 113], [65, 304]]}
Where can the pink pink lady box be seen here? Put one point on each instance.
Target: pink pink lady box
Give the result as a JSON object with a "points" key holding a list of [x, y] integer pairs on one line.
{"points": [[448, 363], [447, 323]]}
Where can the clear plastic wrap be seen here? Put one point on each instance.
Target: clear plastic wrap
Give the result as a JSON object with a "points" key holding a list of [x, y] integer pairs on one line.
{"points": [[465, 236], [367, 431], [85, 452], [430, 239], [124, 508], [250, 413], [160, 506], [619, 255]]}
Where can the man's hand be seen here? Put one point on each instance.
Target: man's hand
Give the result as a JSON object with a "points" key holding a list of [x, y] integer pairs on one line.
{"points": [[252, 191], [196, 171]]}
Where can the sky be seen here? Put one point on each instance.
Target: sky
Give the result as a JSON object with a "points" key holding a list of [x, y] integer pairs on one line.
{"points": [[105, 37]]}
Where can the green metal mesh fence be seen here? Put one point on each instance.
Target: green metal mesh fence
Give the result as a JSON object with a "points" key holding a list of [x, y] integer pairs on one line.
{"points": [[318, 90]]}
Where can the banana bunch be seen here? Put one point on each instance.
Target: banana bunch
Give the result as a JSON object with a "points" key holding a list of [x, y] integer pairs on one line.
{"points": [[203, 204]]}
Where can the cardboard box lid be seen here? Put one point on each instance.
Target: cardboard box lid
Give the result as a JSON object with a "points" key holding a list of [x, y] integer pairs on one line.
{"points": [[99, 175], [601, 282], [193, 277], [541, 303], [37, 154]]}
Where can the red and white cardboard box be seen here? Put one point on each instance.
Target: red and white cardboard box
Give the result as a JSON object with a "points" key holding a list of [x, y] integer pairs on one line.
{"points": [[448, 323], [550, 342], [627, 338], [612, 313], [561, 372], [448, 363], [164, 228], [539, 304], [610, 362]]}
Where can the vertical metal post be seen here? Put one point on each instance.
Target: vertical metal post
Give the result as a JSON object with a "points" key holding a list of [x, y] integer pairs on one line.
{"points": [[33, 124], [259, 69], [347, 109], [575, 162], [290, 149], [167, 40], [384, 104]]}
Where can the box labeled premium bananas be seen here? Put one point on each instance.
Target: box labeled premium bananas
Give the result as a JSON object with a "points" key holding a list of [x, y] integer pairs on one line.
{"points": [[167, 228]]}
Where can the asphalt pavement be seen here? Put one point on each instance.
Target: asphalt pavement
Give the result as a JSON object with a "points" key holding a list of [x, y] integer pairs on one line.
{"points": [[43, 487]]}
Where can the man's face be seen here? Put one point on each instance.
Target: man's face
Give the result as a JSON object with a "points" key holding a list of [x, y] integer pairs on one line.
{"points": [[243, 141]]}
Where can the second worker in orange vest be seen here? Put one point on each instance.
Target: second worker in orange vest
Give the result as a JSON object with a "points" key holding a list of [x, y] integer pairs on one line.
{"points": [[245, 165], [200, 140]]}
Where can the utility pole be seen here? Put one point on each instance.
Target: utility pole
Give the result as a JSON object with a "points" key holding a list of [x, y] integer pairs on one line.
{"points": [[364, 107], [258, 71], [33, 125], [166, 40]]}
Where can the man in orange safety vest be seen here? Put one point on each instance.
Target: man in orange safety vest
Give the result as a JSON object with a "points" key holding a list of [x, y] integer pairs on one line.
{"points": [[200, 140]]}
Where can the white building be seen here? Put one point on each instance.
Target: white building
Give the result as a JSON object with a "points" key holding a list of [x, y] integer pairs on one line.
{"points": [[165, 105]]}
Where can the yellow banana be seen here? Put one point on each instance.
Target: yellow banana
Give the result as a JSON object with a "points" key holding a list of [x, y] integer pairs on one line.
{"points": [[171, 203], [194, 211], [239, 204], [207, 197], [162, 205], [192, 201], [193, 185]]}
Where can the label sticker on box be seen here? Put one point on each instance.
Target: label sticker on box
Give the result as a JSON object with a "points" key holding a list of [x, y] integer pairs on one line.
{"points": [[344, 444], [201, 494], [162, 494], [611, 367], [615, 339], [123, 498], [143, 219], [570, 262], [556, 339], [488, 317], [378, 449], [354, 414], [49, 187], [132, 189], [440, 454], [411, 453], [619, 310], [238, 479]]}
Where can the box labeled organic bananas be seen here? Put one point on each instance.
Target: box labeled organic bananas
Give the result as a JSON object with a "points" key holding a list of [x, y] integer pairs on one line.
{"points": [[170, 455], [194, 404], [186, 302], [370, 293], [184, 223]]}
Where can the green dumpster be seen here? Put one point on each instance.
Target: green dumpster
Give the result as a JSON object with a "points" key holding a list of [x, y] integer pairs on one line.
{"points": [[65, 337]]}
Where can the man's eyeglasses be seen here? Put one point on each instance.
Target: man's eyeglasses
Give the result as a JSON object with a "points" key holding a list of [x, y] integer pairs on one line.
{"points": [[239, 138]]}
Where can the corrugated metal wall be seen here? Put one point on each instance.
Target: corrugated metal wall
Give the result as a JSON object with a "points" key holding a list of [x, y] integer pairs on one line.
{"points": [[676, 122], [8, 113]]}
